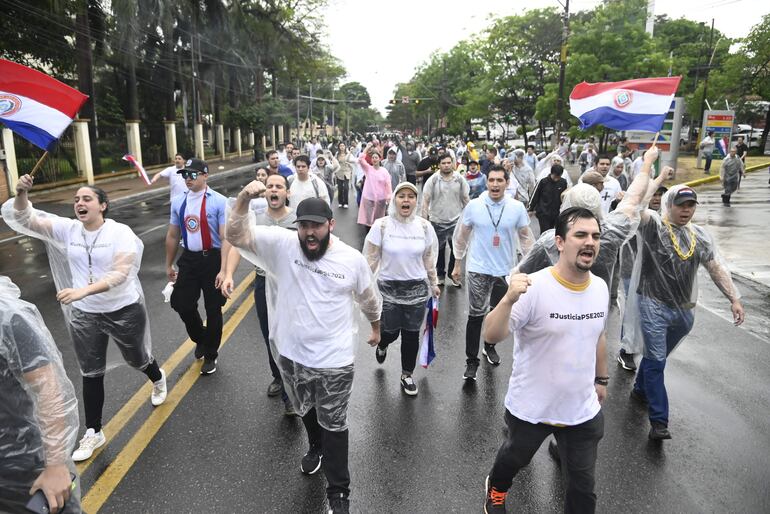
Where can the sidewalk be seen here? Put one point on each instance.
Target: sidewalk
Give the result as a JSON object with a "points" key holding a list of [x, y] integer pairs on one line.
{"points": [[741, 231], [127, 187]]}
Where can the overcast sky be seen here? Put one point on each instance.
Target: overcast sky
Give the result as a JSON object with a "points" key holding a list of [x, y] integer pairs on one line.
{"points": [[381, 43]]}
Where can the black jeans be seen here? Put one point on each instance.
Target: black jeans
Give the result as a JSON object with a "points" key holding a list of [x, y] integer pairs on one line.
{"points": [[197, 273], [578, 448], [334, 448], [410, 344], [343, 190]]}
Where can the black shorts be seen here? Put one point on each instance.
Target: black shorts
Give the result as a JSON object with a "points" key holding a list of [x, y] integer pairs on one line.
{"points": [[91, 331], [403, 306]]}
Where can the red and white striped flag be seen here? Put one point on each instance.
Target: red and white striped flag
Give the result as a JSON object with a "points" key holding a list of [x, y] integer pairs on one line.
{"points": [[140, 169]]}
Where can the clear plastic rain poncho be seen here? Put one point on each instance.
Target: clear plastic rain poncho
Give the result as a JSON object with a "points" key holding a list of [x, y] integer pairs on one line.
{"points": [[617, 227], [544, 168], [38, 408], [665, 271], [402, 291], [68, 253], [525, 176], [295, 322]]}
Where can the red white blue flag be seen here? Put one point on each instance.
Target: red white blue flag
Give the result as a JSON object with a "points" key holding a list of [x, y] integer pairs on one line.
{"points": [[35, 106], [427, 350], [139, 168], [638, 104]]}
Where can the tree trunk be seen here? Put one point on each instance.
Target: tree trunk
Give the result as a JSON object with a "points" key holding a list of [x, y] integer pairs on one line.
{"points": [[85, 70], [170, 110], [763, 143]]}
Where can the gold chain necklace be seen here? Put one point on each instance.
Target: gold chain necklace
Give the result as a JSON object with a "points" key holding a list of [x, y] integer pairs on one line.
{"points": [[675, 241]]}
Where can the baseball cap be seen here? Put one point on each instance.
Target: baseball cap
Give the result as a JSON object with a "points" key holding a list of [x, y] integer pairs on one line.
{"points": [[314, 209], [195, 165], [592, 178], [405, 185], [685, 194]]}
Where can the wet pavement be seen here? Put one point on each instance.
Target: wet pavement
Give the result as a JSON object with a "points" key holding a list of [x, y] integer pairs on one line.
{"points": [[220, 444]]}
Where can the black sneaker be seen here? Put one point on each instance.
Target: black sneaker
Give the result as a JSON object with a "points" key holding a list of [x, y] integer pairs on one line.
{"points": [[380, 354], [659, 431], [209, 366], [311, 462], [339, 504], [408, 385], [288, 410], [626, 361], [638, 396], [470, 370], [491, 354], [494, 503], [275, 387], [553, 451], [198, 351]]}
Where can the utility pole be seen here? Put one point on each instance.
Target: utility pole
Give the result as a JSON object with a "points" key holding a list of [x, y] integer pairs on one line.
{"points": [[333, 111], [706, 80], [298, 112], [562, 69]]}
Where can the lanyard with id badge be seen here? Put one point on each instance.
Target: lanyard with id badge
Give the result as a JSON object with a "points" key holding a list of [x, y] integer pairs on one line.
{"points": [[495, 224]]}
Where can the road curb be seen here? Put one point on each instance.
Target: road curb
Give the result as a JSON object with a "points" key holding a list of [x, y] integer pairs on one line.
{"points": [[715, 178]]}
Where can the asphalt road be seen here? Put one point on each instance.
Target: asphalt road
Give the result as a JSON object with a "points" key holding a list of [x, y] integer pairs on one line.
{"points": [[220, 444]]}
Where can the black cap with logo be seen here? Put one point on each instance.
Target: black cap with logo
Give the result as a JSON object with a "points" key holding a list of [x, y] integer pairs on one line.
{"points": [[315, 210], [196, 165]]}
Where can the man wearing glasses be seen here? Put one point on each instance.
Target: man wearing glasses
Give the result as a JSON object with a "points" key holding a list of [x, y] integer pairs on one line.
{"points": [[198, 218]]}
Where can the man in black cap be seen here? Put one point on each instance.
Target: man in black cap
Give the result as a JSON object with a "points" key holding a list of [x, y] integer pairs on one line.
{"points": [[671, 249], [198, 218], [313, 280]]}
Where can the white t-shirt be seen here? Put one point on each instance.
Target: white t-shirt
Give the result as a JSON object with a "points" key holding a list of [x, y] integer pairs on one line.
{"points": [[403, 248], [110, 239], [609, 193], [556, 331], [175, 181], [311, 309], [300, 190]]}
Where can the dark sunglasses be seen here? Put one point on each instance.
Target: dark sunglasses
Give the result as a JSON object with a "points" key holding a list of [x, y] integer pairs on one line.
{"points": [[190, 174]]}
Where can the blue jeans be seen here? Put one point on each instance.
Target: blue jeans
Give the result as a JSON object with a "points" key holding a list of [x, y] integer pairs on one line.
{"points": [[663, 327]]}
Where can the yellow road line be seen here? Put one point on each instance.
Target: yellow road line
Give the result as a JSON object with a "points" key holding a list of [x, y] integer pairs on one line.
{"points": [[117, 470], [130, 408]]}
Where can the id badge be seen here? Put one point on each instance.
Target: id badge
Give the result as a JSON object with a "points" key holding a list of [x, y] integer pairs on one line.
{"points": [[496, 240]]}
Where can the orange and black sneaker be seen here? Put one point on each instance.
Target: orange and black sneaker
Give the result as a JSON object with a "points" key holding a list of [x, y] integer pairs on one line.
{"points": [[495, 501]]}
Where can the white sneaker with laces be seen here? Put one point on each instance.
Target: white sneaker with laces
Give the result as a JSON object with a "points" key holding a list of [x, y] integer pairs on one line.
{"points": [[159, 390], [90, 442]]}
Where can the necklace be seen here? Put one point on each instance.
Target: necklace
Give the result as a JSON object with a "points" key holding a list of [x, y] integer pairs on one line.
{"points": [[675, 241], [90, 249]]}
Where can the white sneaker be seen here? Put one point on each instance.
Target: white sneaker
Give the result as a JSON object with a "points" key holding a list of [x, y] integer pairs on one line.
{"points": [[340, 205], [159, 391], [90, 442]]}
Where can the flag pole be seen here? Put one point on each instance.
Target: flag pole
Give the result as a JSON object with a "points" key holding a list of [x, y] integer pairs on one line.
{"points": [[38, 164]]}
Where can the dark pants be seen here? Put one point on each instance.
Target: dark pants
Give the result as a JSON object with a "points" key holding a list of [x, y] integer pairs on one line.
{"points": [[197, 273], [478, 289], [412, 179], [410, 344], [343, 190], [93, 395], [444, 237], [707, 167], [546, 222], [334, 448], [578, 448], [726, 199], [260, 304], [359, 190]]}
